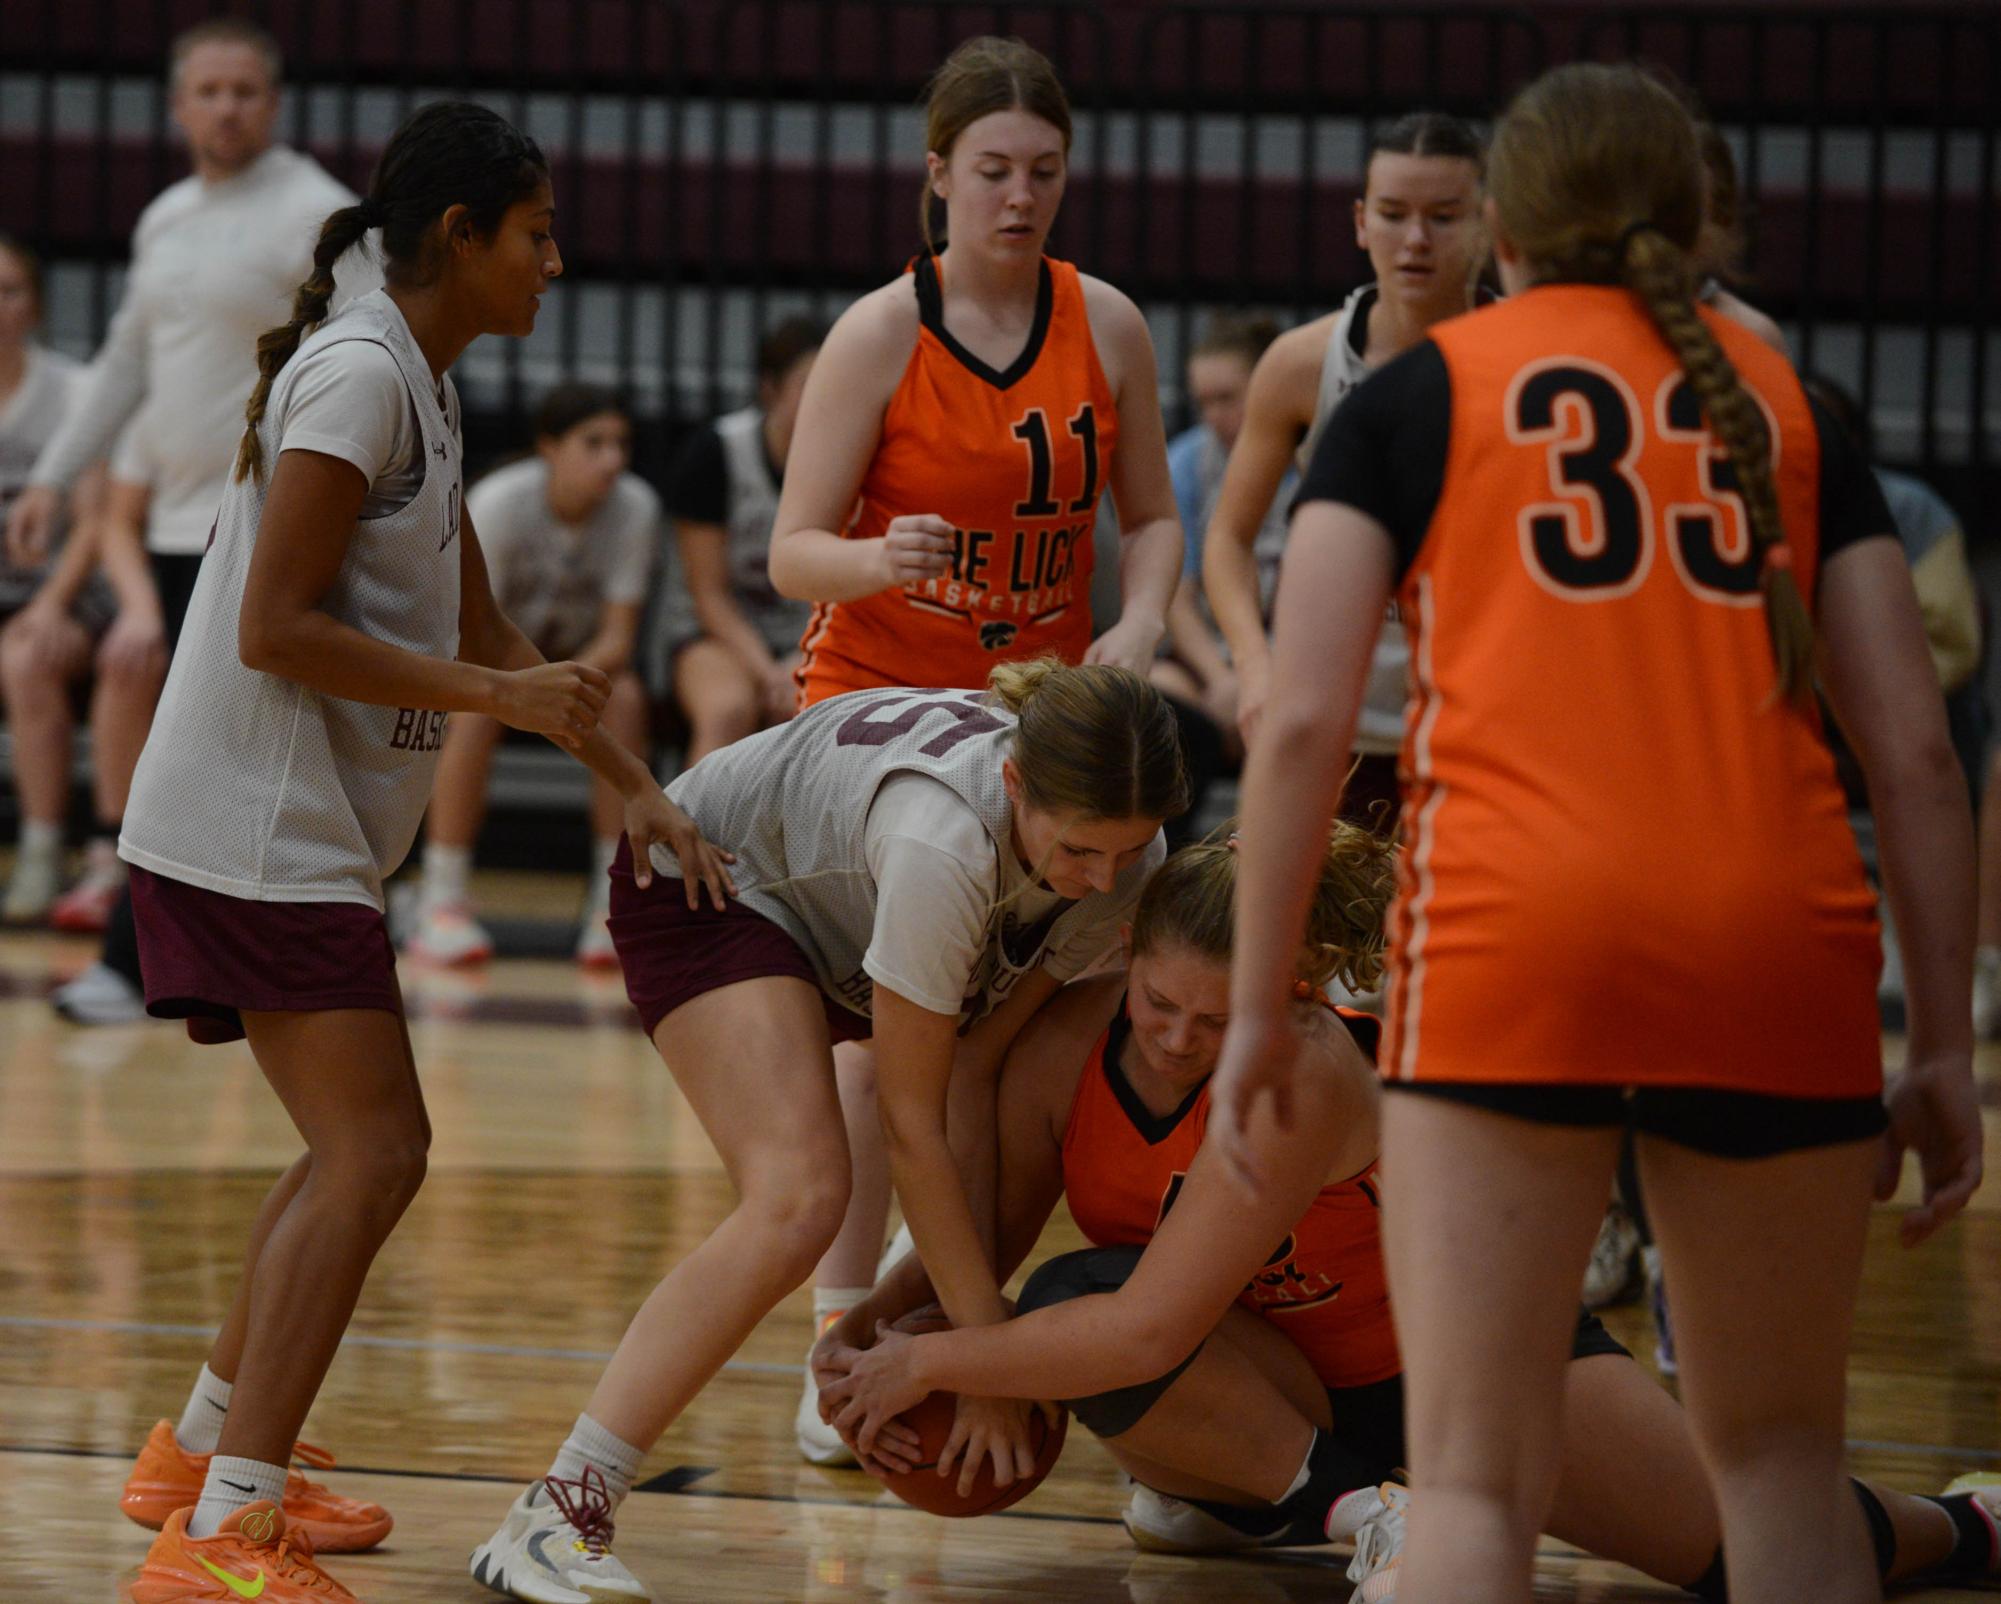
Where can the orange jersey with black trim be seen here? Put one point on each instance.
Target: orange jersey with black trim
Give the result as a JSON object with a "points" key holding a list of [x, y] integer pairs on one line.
{"points": [[1323, 1286], [1016, 461], [1628, 862]]}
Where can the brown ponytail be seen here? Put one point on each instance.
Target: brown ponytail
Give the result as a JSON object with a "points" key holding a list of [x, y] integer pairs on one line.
{"points": [[449, 153], [1190, 902], [1596, 177], [1095, 740], [1658, 272], [275, 347]]}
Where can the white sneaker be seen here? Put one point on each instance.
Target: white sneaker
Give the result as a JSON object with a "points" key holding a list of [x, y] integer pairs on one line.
{"points": [[819, 1443], [32, 888], [100, 996], [1373, 1520], [1614, 1274], [555, 1548], [594, 944], [1986, 993], [447, 934], [1158, 1523]]}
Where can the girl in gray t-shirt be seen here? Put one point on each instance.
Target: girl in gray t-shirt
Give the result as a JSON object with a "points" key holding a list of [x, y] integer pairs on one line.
{"points": [[570, 537]]}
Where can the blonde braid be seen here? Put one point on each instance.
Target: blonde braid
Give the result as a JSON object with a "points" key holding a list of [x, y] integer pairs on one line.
{"points": [[275, 347], [1657, 271]]}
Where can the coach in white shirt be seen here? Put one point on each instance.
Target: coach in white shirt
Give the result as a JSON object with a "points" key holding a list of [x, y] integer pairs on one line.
{"points": [[215, 261]]}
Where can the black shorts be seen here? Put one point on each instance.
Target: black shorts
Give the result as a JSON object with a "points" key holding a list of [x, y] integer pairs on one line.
{"points": [[1722, 1124], [174, 576], [1368, 1420]]}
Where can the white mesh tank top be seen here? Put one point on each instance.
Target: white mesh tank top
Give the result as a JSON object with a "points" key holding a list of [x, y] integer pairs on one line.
{"points": [[792, 803], [255, 786]]}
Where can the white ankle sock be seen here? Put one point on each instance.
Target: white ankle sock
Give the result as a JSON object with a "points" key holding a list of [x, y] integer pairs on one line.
{"points": [[1305, 1470], [41, 838], [598, 891], [201, 1421], [591, 1446], [446, 871], [831, 1301], [231, 1484]]}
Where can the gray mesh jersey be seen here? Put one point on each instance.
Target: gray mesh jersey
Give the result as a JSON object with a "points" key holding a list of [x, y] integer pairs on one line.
{"points": [[793, 802], [255, 786], [1379, 727], [753, 507]]}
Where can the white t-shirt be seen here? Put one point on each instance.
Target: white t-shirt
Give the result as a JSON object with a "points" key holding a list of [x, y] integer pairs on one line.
{"points": [[213, 266], [49, 387], [349, 401], [927, 849], [553, 579]]}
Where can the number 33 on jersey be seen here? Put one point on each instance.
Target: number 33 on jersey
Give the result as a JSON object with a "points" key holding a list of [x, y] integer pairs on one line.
{"points": [[1016, 460]]}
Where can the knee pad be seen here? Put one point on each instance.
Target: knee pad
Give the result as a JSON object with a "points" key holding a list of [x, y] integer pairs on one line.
{"points": [[1084, 1273]]}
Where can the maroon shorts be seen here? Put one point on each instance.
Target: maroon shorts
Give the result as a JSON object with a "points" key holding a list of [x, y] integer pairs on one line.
{"points": [[205, 957], [672, 954]]}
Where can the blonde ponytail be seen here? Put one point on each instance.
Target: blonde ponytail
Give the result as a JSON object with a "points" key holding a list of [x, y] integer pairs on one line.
{"points": [[1190, 902], [1095, 741]]}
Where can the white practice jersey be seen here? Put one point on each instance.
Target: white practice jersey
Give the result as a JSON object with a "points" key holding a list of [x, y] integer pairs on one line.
{"points": [[256, 786], [793, 804], [753, 508], [1379, 728], [28, 420]]}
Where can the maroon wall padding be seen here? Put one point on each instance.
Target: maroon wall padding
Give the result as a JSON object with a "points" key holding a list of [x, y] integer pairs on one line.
{"points": [[1214, 237], [1773, 61]]}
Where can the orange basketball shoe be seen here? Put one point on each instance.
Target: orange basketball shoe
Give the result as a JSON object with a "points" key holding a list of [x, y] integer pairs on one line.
{"points": [[168, 1478], [252, 1556]]}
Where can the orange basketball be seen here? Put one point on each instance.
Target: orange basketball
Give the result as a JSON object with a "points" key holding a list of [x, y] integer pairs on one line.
{"points": [[925, 1489]]}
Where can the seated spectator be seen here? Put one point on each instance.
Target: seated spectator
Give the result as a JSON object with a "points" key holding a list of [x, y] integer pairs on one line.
{"points": [[570, 538], [1196, 666], [54, 612], [732, 639]]}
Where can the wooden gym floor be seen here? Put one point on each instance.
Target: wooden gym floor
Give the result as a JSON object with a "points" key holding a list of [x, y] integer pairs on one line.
{"points": [[565, 1176]]}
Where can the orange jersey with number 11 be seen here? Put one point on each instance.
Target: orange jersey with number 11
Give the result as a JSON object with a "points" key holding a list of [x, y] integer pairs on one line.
{"points": [[1015, 461]]}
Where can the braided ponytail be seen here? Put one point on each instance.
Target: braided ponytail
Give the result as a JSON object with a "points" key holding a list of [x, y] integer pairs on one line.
{"points": [[275, 347], [1658, 272], [1580, 154], [449, 153]]}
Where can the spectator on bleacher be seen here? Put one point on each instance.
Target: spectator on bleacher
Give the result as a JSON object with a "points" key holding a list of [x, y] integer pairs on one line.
{"points": [[1418, 218], [1948, 595], [1197, 668], [215, 259], [570, 537], [52, 610], [732, 639]]}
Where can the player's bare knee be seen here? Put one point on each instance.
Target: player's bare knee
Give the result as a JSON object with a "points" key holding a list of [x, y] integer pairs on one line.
{"points": [[800, 1215]]}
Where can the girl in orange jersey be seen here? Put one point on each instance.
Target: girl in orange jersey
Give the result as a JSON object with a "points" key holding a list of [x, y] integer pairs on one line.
{"points": [[1254, 1395], [963, 421], [954, 440], [1631, 894]]}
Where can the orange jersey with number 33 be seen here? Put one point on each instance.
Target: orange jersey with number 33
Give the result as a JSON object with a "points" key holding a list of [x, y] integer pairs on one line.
{"points": [[1015, 461], [1629, 860]]}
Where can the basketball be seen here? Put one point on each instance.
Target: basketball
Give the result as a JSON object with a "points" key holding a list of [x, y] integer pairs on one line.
{"points": [[923, 1488]]}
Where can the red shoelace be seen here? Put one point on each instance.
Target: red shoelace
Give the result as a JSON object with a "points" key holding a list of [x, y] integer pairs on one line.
{"points": [[586, 1504]]}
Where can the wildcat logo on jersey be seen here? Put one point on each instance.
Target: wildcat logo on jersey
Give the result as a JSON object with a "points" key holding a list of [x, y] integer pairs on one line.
{"points": [[418, 729], [1281, 1287], [997, 636]]}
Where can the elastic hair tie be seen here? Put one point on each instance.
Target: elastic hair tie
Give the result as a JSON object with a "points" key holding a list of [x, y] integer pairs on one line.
{"points": [[1233, 841], [1779, 558], [372, 212]]}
